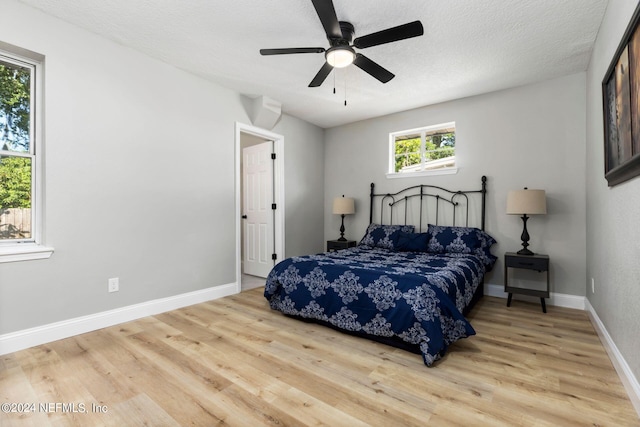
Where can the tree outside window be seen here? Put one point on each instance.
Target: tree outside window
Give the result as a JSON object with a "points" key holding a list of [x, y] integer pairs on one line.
{"points": [[424, 149]]}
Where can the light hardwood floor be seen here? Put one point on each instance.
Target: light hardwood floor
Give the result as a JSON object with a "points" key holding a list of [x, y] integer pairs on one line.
{"points": [[249, 282], [233, 361]]}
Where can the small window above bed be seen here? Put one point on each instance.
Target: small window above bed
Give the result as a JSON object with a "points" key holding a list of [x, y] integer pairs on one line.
{"points": [[430, 150]]}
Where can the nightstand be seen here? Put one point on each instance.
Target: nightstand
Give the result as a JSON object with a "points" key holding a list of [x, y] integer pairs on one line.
{"points": [[334, 245], [537, 262]]}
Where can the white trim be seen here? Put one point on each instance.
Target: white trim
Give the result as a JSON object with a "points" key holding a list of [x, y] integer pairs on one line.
{"points": [[629, 381], [24, 252], [278, 149], [278, 177], [443, 171], [627, 377], [16, 341], [37, 203], [425, 129], [559, 300]]}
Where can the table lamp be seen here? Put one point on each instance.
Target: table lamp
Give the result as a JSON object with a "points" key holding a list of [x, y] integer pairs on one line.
{"points": [[526, 202], [343, 206]]}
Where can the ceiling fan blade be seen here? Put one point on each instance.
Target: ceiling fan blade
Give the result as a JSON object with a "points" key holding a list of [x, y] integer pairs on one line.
{"points": [[321, 76], [401, 32], [327, 14], [368, 66], [287, 51]]}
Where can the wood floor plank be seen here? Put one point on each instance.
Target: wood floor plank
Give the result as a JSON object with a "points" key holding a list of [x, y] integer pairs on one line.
{"points": [[16, 384], [99, 376], [160, 384], [138, 411], [234, 361]]}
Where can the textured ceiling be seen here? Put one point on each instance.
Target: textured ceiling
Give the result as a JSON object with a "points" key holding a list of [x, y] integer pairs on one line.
{"points": [[469, 46]]}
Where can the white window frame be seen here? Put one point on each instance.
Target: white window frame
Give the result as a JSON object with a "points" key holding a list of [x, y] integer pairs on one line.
{"points": [[391, 173], [33, 247]]}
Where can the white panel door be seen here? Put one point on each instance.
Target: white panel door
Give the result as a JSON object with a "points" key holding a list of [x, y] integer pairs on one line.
{"points": [[257, 175]]}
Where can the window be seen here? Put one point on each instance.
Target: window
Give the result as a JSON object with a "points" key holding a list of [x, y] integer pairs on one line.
{"points": [[428, 150], [19, 162]]}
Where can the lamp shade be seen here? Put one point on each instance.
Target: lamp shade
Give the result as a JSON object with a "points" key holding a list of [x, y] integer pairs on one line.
{"points": [[344, 206], [529, 202]]}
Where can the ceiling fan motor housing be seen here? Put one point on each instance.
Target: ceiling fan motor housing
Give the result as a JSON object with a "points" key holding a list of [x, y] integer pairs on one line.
{"points": [[347, 34]]}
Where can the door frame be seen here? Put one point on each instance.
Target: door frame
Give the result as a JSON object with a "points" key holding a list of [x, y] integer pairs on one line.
{"points": [[278, 181]]}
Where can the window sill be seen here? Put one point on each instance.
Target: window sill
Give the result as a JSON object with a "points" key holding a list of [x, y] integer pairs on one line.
{"points": [[444, 171], [24, 252]]}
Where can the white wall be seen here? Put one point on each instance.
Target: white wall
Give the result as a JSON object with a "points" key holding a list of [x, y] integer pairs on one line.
{"points": [[613, 234], [531, 136], [139, 178], [304, 186]]}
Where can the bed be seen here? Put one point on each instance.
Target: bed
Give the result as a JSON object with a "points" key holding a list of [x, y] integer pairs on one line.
{"points": [[406, 285]]}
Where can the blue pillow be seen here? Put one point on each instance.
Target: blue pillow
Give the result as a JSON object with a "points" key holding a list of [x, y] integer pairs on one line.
{"points": [[461, 240], [384, 236], [412, 242]]}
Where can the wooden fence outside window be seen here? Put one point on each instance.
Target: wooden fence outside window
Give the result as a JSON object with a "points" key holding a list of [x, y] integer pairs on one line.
{"points": [[15, 223]]}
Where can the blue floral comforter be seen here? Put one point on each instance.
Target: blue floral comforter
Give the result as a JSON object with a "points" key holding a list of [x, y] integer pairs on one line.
{"points": [[415, 296]]}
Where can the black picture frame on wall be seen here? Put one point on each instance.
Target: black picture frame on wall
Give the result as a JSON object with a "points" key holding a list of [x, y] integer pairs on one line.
{"points": [[621, 108]]}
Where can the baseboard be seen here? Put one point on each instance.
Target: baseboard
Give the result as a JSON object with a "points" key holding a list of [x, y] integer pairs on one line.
{"points": [[629, 380], [560, 300], [16, 341], [627, 377]]}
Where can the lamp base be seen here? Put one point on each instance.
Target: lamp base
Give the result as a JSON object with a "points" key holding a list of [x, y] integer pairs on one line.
{"points": [[342, 238], [525, 251], [525, 238]]}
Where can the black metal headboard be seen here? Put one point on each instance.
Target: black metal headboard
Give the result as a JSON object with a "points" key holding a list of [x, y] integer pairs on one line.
{"points": [[449, 203]]}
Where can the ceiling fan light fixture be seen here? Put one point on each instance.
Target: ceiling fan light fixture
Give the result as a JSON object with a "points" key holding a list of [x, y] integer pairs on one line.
{"points": [[340, 56]]}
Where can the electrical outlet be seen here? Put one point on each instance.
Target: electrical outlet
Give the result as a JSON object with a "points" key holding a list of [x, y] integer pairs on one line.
{"points": [[114, 284], [593, 285]]}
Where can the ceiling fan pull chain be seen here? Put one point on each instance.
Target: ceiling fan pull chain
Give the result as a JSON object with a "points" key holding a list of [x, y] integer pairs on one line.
{"points": [[334, 82], [345, 89]]}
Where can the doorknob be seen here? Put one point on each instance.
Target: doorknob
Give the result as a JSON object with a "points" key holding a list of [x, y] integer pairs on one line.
{"points": [[244, 217]]}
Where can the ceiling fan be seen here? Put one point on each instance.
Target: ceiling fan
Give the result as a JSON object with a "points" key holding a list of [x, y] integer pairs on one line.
{"points": [[341, 53]]}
